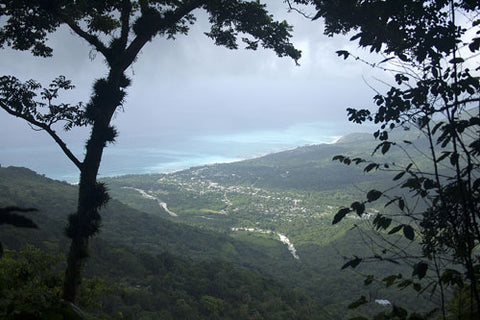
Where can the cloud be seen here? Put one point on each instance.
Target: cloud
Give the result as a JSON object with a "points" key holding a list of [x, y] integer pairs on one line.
{"points": [[190, 88]]}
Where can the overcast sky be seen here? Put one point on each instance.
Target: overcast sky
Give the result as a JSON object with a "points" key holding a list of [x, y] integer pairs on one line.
{"points": [[190, 90]]}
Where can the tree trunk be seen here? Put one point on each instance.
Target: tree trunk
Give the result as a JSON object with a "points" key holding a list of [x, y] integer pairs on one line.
{"points": [[91, 195]]}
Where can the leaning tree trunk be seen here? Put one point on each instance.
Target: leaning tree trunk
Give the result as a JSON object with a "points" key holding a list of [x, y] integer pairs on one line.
{"points": [[84, 223], [92, 195]]}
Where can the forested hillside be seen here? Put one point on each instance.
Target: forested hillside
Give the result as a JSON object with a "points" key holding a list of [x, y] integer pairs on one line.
{"points": [[160, 268], [289, 197], [140, 256]]}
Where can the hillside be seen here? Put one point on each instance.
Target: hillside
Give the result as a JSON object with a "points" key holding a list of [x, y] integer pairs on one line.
{"points": [[132, 242], [270, 217], [289, 196], [165, 262]]}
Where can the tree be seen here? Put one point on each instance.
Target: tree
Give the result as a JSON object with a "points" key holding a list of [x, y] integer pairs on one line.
{"points": [[118, 30], [429, 48]]}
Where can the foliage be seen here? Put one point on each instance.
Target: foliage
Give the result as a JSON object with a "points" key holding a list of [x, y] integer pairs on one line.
{"points": [[428, 47], [161, 285], [118, 30], [30, 287]]}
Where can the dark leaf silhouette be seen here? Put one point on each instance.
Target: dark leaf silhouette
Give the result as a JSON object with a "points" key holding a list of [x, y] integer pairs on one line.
{"points": [[373, 195], [8, 217], [340, 215], [361, 301], [352, 263]]}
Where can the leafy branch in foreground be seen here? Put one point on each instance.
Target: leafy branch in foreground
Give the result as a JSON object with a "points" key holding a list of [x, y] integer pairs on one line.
{"points": [[434, 93], [36, 105]]}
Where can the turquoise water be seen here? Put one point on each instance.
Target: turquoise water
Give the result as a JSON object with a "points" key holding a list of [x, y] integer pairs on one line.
{"points": [[162, 153]]}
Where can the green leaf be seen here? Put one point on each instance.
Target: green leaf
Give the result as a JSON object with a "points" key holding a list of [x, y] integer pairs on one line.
{"points": [[343, 53], [474, 45], [408, 232], [370, 167], [452, 277], [436, 127], [420, 269], [476, 184], [391, 260], [368, 280], [399, 176], [429, 184], [318, 15], [412, 183], [355, 37], [358, 303], [340, 215], [395, 229], [404, 284], [352, 263], [454, 158], [381, 222], [373, 195], [391, 279], [417, 287], [386, 146], [403, 57], [358, 207], [358, 160], [456, 60]]}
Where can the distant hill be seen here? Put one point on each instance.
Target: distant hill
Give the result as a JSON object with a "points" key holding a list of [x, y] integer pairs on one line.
{"points": [[308, 167]]}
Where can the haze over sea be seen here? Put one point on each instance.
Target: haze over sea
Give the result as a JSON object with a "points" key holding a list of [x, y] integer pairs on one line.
{"points": [[169, 152]]}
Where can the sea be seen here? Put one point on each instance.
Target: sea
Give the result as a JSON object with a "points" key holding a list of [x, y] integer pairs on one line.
{"points": [[166, 153]]}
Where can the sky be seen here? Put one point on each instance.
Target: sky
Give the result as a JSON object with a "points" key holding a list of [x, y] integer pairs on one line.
{"points": [[190, 98]]}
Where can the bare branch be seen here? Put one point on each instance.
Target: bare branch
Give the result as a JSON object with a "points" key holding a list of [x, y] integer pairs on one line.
{"points": [[90, 38], [295, 9]]}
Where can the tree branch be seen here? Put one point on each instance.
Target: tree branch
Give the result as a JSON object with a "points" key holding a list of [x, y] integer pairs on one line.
{"points": [[292, 8], [460, 102], [169, 20], [91, 39], [125, 20], [49, 130]]}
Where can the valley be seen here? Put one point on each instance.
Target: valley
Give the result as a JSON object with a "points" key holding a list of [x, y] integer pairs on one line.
{"points": [[257, 193], [271, 215], [288, 198]]}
